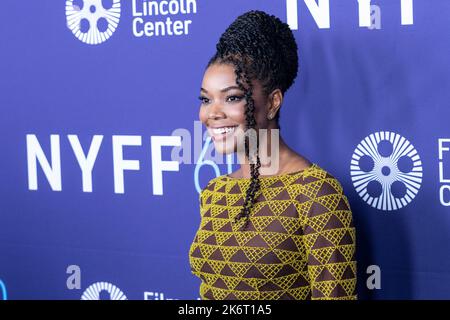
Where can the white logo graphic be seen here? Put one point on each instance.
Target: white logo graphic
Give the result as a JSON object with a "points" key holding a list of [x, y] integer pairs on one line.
{"points": [[94, 290], [386, 171], [92, 23]]}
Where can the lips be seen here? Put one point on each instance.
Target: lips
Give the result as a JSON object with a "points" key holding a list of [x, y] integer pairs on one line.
{"points": [[221, 132]]}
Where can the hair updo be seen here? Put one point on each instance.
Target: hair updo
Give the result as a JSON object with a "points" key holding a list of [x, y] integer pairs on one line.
{"points": [[260, 47]]}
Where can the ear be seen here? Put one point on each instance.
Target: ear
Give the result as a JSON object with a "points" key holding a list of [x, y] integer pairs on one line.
{"points": [[275, 101]]}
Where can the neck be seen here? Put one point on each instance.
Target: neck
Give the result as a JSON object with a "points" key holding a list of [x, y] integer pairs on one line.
{"points": [[273, 162]]}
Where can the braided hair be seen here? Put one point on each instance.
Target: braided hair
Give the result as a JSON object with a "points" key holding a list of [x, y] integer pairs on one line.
{"points": [[259, 46]]}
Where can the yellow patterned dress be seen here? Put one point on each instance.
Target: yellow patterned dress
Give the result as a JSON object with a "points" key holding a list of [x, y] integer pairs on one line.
{"points": [[299, 243]]}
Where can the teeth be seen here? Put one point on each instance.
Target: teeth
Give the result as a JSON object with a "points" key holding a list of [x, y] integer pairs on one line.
{"points": [[222, 130]]}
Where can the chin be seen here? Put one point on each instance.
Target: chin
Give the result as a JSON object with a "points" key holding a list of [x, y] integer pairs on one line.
{"points": [[222, 148]]}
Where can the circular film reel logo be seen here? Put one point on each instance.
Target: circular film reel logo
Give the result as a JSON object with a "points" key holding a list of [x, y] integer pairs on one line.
{"points": [[92, 22], [386, 171], [94, 291]]}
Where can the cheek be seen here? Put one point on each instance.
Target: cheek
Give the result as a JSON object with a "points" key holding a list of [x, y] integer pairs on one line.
{"points": [[236, 113], [202, 114]]}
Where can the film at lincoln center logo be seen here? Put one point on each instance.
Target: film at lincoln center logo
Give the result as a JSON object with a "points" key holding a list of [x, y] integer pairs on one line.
{"points": [[92, 22], [112, 292], [386, 171]]}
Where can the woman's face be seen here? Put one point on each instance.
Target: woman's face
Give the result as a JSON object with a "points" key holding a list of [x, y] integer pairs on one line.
{"points": [[222, 108]]}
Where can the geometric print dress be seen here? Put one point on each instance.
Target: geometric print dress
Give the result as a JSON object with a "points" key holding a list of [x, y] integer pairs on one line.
{"points": [[299, 243]]}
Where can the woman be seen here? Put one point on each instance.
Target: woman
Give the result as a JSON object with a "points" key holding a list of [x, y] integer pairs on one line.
{"points": [[287, 235]]}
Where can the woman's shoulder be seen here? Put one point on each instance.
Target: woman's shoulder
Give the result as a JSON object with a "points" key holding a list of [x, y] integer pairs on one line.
{"points": [[212, 184], [322, 180], [326, 192]]}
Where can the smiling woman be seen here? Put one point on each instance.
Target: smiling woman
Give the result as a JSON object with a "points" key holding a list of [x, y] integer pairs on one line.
{"points": [[217, 94], [289, 235]]}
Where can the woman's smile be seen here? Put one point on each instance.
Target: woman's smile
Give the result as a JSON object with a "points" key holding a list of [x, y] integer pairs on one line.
{"points": [[221, 133]]}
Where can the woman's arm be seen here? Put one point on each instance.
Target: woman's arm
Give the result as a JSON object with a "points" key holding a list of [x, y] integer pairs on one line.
{"points": [[329, 236]]}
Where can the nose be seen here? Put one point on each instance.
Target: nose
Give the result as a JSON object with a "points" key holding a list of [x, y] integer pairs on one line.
{"points": [[215, 112], [215, 116]]}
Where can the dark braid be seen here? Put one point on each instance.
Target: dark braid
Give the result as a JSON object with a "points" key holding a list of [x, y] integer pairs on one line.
{"points": [[250, 123], [262, 47]]}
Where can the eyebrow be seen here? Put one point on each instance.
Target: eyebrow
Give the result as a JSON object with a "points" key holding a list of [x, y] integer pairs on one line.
{"points": [[223, 90]]}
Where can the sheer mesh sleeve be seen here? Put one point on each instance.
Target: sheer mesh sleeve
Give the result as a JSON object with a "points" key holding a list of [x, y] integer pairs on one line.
{"points": [[330, 243]]}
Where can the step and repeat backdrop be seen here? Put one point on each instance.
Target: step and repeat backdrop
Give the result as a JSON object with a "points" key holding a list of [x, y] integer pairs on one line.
{"points": [[103, 155]]}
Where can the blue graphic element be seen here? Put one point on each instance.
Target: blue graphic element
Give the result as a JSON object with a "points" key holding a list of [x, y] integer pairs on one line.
{"points": [[201, 162], [3, 288]]}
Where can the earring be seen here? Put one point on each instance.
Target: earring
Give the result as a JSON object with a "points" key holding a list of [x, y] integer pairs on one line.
{"points": [[270, 116]]}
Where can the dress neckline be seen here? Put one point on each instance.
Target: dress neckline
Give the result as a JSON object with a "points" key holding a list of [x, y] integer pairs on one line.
{"points": [[294, 173]]}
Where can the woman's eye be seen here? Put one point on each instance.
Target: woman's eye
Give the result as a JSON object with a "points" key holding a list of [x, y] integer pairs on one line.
{"points": [[203, 99], [234, 98]]}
